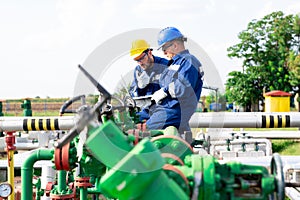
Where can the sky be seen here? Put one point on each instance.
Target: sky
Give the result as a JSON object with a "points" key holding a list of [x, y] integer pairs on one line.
{"points": [[43, 42]]}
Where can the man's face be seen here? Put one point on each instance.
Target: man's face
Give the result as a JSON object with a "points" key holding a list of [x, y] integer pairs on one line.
{"points": [[168, 49], [145, 61]]}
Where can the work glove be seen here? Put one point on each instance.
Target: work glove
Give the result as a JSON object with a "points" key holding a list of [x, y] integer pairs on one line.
{"points": [[158, 96], [143, 79]]}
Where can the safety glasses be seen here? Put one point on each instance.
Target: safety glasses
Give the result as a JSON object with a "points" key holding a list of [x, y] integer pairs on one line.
{"points": [[165, 47], [141, 58]]}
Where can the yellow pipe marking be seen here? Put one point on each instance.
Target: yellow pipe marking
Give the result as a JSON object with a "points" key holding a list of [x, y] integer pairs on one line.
{"points": [[275, 121], [267, 121], [36, 124], [29, 125], [52, 124], [44, 124]]}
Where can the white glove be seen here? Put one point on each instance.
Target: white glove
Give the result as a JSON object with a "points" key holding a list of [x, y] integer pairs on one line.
{"points": [[158, 95], [143, 79]]}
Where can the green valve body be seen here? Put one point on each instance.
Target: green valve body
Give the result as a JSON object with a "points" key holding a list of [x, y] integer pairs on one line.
{"points": [[135, 172], [26, 106], [1, 109], [214, 181], [1, 114]]}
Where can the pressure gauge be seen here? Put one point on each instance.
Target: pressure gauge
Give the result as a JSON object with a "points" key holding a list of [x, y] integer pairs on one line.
{"points": [[5, 190]]}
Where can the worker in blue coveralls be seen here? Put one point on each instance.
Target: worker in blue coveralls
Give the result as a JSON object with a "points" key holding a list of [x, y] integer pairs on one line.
{"points": [[146, 73], [181, 84]]}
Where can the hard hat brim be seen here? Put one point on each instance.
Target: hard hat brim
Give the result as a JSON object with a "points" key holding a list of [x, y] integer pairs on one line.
{"points": [[138, 56], [158, 48]]}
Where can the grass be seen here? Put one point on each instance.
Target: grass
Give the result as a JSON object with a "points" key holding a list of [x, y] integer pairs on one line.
{"points": [[286, 147]]}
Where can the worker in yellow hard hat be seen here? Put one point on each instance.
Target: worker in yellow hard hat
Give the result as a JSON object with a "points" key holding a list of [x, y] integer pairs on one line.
{"points": [[147, 72]]}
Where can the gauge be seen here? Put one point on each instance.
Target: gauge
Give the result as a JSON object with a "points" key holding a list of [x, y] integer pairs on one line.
{"points": [[5, 190]]}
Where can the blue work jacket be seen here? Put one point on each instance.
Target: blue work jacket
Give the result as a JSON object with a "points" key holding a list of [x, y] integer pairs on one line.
{"points": [[182, 81], [160, 64]]}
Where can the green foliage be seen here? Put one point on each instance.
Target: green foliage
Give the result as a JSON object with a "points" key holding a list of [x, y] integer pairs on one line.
{"points": [[294, 67], [210, 98], [265, 47], [286, 147]]}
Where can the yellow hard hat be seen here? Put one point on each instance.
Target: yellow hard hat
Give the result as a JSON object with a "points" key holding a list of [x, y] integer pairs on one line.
{"points": [[138, 47]]}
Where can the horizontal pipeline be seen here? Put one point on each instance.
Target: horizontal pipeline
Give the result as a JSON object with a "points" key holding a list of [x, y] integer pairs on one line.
{"points": [[198, 120], [36, 123], [245, 120]]}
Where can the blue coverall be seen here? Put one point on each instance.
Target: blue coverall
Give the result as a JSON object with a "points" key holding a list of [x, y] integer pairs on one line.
{"points": [[160, 64], [182, 81]]}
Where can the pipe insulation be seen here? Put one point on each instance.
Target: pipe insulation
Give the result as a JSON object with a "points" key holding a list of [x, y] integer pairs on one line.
{"points": [[245, 120], [198, 120], [36, 123]]}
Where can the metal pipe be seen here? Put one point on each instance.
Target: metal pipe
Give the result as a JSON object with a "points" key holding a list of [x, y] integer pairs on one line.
{"points": [[62, 182], [245, 120], [83, 193], [27, 170], [198, 120], [245, 141], [22, 146], [10, 141], [96, 189], [36, 123], [10, 172], [274, 134]]}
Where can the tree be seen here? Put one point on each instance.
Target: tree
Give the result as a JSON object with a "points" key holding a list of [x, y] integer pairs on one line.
{"points": [[218, 98], [265, 47], [294, 61]]}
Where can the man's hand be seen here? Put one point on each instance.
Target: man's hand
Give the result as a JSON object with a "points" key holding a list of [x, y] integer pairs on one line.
{"points": [[158, 96], [143, 79]]}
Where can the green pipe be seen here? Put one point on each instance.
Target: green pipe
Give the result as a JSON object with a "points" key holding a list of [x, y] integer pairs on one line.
{"points": [[27, 170], [1, 115], [96, 189], [83, 193], [62, 183]]}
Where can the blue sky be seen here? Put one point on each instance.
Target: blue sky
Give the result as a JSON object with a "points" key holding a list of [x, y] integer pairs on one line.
{"points": [[42, 42]]}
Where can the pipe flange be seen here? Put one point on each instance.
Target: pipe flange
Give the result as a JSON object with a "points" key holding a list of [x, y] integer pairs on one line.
{"points": [[62, 196], [82, 182], [61, 158], [48, 188], [172, 159], [65, 157], [142, 126], [57, 159], [178, 177]]}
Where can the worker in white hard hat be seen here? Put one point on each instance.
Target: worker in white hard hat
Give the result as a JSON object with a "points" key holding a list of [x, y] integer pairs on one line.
{"points": [[146, 73]]}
